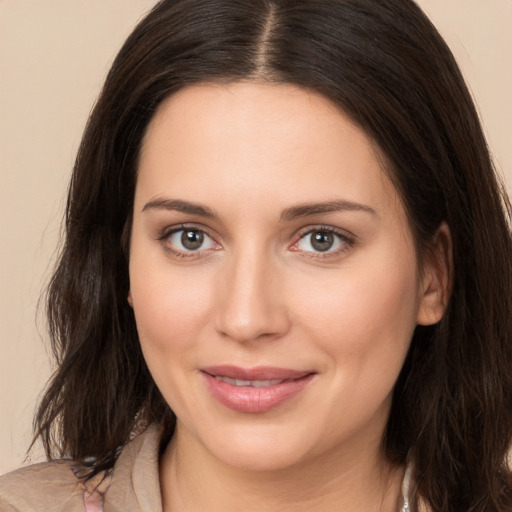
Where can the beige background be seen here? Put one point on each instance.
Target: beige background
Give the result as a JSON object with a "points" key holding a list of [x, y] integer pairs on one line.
{"points": [[53, 57]]}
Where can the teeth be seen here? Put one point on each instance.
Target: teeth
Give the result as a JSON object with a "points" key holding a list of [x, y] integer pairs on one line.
{"points": [[245, 383], [263, 383]]}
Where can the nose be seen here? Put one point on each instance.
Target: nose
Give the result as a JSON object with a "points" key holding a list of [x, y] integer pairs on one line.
{"points": [[251, 303]]}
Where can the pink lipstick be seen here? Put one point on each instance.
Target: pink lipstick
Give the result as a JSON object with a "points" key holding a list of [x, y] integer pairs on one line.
{"points": [[254, 390]]}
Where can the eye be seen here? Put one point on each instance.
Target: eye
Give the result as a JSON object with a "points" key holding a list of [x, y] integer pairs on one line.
{"points": [[189, 240], [322, 240]]}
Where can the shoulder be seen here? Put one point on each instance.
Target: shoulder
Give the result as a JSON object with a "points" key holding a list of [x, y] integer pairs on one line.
{"points": [[49, 486], [56, 486]]}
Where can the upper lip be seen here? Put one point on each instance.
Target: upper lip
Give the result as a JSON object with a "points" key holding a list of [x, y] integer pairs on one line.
{"points": [[255, 373]]}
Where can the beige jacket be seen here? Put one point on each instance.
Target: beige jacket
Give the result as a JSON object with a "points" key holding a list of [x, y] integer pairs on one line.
{"points": [[133, 486], [53, 487]]}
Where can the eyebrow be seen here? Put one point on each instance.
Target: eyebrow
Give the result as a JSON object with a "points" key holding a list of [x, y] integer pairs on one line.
{"points": [[308, 209], [180, 206], [295, 212]]}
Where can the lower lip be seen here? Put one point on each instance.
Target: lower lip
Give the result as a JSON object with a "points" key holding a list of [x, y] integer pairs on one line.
{"points": [[251, 399]]}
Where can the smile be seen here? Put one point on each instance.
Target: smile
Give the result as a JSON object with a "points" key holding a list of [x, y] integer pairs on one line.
{"points": [[254, 390]]}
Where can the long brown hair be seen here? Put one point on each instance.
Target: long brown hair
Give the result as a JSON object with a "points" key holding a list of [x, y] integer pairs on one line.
{"points": [[386, 66]]}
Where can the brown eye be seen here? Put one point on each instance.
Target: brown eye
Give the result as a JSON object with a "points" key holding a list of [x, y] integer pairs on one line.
{"points": [[189, 240], [322, 241], [192, 239]]}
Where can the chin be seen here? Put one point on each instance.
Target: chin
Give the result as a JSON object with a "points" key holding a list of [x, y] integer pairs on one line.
{"points": [[258, 455], [256, 449]]}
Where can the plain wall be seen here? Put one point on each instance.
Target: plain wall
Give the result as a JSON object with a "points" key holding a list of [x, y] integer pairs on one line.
{"points": [[54, 55]]}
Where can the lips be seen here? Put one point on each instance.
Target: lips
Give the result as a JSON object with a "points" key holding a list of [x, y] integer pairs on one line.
{"points": [[254, 390]]}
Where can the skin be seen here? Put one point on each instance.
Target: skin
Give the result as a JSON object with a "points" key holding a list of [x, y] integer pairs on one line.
{"points": [[258, 293]]}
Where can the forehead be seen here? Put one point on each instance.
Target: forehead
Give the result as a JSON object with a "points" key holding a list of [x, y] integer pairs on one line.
{"points": [[273, 141]]}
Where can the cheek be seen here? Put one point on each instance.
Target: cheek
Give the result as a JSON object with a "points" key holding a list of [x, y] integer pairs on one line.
{"points": [[362, 310], [171, 311], [170, 308]]}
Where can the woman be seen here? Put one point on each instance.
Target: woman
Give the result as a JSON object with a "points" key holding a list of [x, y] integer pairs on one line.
{"points": [[286, 279]]}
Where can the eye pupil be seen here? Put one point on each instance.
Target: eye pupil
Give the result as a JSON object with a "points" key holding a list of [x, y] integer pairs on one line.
{"points": [[192, 239], [322, 241]]}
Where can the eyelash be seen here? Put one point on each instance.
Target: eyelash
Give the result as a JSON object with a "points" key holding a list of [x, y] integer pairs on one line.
{"points": [[343, 238], [167, 234], [346, 241]]}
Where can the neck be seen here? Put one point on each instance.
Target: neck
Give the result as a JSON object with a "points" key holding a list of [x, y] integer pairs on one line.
{"points": [[343, 480]]}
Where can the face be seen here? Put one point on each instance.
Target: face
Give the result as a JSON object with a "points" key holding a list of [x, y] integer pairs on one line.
{"points": [[273, 274]]}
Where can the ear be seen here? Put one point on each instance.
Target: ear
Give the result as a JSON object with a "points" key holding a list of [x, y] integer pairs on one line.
{"points": [[437, 277], [130, 300]]}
